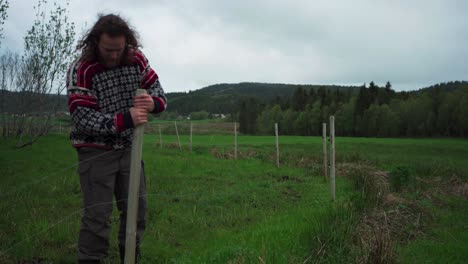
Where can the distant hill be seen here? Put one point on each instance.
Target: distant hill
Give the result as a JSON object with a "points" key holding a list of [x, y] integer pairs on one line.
{"points": [[219, 98], [31, 103], [225, 98]]}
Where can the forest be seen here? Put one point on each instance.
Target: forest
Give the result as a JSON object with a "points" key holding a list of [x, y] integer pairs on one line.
{"points": [[437, 111]]}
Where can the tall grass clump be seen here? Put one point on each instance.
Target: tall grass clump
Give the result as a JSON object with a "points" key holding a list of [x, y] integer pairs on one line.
{"points": [[370, 187], [332, 241], [400, 176]]}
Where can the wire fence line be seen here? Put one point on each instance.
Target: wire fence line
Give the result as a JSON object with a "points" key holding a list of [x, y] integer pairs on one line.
{"points": [[169, 128], [68, 217], [170, 145], [37, 181], [20, 188], [80, 211], [214, 149], [66, 129]]}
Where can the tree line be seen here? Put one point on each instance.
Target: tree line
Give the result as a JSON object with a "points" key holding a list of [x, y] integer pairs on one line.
{"points": [[437, 111]]}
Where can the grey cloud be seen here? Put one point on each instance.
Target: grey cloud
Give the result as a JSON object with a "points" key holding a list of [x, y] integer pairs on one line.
{"points": [[197, 43]]}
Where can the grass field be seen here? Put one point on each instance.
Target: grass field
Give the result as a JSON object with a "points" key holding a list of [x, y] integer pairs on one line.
{"points": [[206, 207]]}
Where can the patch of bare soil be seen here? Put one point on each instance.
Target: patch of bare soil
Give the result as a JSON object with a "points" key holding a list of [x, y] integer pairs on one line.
{"points": [[230, 154], [286, 178], [458, 187], [305, 161], [435, 186], [172, 145], [221, 154]]}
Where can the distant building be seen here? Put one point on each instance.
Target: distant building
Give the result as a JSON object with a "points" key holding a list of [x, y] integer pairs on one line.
{"points": [[219, 115]]}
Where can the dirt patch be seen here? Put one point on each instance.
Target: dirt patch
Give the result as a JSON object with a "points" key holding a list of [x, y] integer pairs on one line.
{"points": [[291, 194], [344, 169], [458, 187], [171, 145], [434, 186], [221, 154], [286, 178], [393, 199], [304, 161], [248, 154]]}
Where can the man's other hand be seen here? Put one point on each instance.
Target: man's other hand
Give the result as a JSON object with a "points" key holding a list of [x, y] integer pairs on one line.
{"points": [[144, 101]]}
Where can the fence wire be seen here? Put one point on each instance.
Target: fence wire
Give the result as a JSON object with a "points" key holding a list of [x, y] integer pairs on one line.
{"points": [[153, 129]]}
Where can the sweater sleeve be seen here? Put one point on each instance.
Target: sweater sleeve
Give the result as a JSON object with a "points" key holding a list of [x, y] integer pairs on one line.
{"points": [[150, 82], [83, 106]]}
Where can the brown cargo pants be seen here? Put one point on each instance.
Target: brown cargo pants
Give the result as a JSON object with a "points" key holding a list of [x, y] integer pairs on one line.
{"points": [[103, 174]]}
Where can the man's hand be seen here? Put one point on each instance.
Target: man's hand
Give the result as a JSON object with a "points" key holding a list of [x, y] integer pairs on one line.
{"points": [[144, 101], [139, 115]]}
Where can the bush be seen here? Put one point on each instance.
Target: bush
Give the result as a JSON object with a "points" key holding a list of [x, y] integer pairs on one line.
{"points": [[200, 115], [400, 176]]}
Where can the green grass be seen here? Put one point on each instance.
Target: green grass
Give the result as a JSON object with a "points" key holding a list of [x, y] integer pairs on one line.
{"points": [[201, 209], [445, 240], [230, 207], [206, 209], [428, 157]]}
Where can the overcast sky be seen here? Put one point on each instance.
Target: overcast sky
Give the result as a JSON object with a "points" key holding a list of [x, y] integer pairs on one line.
{"points": [[193, 44]]}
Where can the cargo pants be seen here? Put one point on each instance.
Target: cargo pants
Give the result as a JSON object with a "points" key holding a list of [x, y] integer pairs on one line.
{"points": [[103, 175]]}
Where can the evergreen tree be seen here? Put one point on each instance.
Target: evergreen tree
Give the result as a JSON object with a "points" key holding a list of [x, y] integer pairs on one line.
{"points": [[311, 98], [243, 126], [299, 99], [363, 101], [248, 113], [373, 92], [388, 86]]}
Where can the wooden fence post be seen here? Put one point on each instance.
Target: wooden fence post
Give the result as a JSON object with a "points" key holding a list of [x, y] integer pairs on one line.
{"points": [[325, 162], [160, 137], [277, 145], [191, 127], [235, 140], [332, 157], [177, 132], [134, 186]]}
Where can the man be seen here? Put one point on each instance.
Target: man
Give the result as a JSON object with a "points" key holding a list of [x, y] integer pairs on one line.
{"points": [[104, 110]]}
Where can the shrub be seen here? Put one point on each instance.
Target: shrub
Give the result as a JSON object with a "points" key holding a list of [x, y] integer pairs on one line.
{"points": [[400, 176]]}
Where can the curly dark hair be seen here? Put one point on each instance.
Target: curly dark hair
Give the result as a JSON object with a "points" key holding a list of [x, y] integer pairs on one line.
{"points": [[114, 26]]}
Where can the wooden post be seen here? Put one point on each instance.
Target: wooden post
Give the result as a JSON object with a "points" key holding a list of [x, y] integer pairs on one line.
{"points": [[160, 137], [325, 162], [277, 145], [134, 186], [332, 157], [235, 140], [177, 132], [191, 127]]}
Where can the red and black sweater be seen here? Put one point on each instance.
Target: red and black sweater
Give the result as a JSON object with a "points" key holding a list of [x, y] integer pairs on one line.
{"points": [[99, 100]]}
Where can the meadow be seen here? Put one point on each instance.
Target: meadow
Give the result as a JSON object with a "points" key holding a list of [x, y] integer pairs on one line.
{"points": [[205, 206]]}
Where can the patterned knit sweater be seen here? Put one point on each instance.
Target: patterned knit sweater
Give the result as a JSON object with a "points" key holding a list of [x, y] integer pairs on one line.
{"points": [[99, 100]]}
